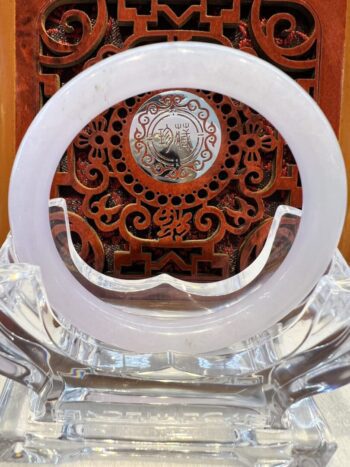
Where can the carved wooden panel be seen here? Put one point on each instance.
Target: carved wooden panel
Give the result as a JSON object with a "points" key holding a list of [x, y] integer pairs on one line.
{"points": [[190, 208]]}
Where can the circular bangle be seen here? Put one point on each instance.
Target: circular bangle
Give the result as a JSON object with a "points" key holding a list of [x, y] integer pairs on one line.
{"points": [[181, 65]]}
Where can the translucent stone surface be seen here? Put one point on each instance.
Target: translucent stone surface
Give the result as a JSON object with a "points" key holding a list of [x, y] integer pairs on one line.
{"points": [[183, 65]]}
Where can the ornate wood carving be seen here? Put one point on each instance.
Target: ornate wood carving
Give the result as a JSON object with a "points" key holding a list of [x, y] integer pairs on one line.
{"points": [[125, 221]]}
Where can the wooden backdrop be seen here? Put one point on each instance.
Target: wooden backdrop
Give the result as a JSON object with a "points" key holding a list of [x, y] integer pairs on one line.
{"points": [[11, 83]]}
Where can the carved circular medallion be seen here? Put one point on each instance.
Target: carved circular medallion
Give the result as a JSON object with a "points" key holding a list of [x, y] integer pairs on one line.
{"points": [[175, 136]]}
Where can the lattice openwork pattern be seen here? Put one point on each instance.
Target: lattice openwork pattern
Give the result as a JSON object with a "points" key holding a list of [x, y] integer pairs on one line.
{"points": [[124, 221]]}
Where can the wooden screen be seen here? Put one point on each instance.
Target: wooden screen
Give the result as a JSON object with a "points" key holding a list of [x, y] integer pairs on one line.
{"points": [[208, 229]]}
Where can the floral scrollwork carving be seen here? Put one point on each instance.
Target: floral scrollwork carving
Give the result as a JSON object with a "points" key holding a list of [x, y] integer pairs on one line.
{"points": [[170, 208]]}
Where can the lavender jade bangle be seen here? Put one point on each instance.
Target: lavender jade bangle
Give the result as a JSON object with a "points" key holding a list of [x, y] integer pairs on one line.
{"points": [[181, 65]]}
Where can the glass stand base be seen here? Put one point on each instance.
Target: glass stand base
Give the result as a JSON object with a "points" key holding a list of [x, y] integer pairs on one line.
{"points": [[87, 425]]}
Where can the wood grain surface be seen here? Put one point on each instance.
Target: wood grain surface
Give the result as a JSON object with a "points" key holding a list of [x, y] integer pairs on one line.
{"points": [[345, 135], [7, 105]]}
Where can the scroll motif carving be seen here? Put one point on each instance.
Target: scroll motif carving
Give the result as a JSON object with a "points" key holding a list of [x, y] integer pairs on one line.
{"points": [[196, 230], [75, 36], [280, 40]]}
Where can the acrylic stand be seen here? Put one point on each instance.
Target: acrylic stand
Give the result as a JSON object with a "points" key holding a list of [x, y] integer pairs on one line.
{"points": [[68, 396]]}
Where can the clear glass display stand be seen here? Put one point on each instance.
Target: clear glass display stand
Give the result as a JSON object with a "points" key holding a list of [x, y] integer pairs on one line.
{"points": [[68, 396]]}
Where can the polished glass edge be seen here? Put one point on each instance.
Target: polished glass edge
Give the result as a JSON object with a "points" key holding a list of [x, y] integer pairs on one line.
{"points": [[217, 288]]}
